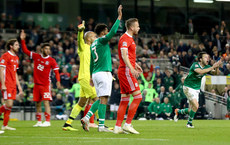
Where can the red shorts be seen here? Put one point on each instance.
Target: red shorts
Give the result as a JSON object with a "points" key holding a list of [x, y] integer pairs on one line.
{"points": [[128, 83], [9, 94], [42, 92]]}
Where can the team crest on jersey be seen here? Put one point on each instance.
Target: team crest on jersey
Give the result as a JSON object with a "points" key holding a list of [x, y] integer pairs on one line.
{"points": [[47, 63], [136, 84], [2, 61], [124, 44], [196, 65]]}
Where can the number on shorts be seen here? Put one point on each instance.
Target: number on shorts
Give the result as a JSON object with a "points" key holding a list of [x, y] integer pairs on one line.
{"points": [[95, 52], [47, 95]]}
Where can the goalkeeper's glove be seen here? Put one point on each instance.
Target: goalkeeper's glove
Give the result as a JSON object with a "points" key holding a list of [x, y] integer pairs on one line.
{"points": [[81, 27]]}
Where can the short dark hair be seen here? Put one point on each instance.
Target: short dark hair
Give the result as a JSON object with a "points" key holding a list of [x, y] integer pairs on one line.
{"points": [[200, 55], [10, 42], [99, 28], [129, 22], [44, 45]]}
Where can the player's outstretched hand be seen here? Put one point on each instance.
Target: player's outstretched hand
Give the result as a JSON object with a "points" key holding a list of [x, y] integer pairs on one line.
{"points": [[81, 27], [23, 35], [119, 12], [217, 64]]}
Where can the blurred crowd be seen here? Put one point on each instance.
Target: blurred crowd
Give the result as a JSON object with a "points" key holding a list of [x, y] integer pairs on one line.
{"points": [[155, 82]]}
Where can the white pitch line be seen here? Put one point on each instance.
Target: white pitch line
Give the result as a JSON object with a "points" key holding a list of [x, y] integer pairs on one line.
{"points": [[93, 138]]}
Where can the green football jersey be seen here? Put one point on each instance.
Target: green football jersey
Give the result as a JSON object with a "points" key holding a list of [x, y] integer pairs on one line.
{"points": [[193, 80], [100, 52]]}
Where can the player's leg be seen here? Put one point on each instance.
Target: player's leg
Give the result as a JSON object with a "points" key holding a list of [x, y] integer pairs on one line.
{"points": [[74, 113], [132, 111], [37, 99], [47, 113], [8, 106], [194, 107], [38, 105]]}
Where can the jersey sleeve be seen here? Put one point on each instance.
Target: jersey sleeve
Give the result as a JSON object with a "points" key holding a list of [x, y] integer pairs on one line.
{"points": [[80, 40], [125, 44], [3, 60], [25, 49], [54, 65], [195, 66], [111, 33]]}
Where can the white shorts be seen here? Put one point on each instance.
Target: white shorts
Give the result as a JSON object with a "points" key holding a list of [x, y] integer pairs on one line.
{"points": [[103, 83], [114, 107], [191, 93]]}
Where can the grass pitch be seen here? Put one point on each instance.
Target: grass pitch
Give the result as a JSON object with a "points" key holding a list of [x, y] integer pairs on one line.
{"points": [[206, 132]]}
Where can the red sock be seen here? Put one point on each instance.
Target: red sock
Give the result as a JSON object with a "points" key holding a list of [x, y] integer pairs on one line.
{"points": [[86, 109], [122, 110], [91, 120], [39, 116], [47, 116], [6, 116], [133, 108], [2, 109]]}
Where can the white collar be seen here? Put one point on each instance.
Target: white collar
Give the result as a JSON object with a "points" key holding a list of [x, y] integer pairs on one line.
{"points": [[44, 57], [128, 34], [200, 65], [11, 53]]}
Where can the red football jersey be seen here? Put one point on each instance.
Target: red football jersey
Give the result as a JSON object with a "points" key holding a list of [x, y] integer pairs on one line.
{"points": [[10, 62], [126, 42], [42, 68]]}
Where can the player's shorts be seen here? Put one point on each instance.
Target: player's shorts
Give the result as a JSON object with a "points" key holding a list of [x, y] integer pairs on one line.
{"points": [[128, 83], [191, 93], [114, 107], [86, 90], [103, 83], [9, 94], [41, 93]]}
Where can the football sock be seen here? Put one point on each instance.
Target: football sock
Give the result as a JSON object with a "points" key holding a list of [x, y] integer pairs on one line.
{"points": [[6, 116], [39, 116], [101, 112], [183, 111], [191, 116], [122, 110], [93, 109], [74, 113], [47, 116], [133, 108], [91, 120]]}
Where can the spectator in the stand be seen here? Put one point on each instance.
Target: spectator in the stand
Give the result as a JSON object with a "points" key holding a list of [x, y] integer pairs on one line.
{"points": [[70, 27], [150, 94], [217, 43], [183, 98], [59, 105], [114, 101], [149, 79], [69, 98], [190, 27], [227, 70], [168, 80], [166, 109], [176, 76], [181, 47], [158, 73], [155, 109], [157, 85], [227, 39], [175, 59], [216, 56], [173, 98], [162, 94], [189, 58], [75, 90], [65, 78], [209, 48]]}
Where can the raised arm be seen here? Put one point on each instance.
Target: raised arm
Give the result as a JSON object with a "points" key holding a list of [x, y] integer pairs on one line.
{"points": [[23, 43], [204, 71], [80, 36], [113, 30]]}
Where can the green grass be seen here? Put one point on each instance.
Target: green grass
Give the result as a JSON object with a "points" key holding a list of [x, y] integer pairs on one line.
{"points": [[206, 132]]}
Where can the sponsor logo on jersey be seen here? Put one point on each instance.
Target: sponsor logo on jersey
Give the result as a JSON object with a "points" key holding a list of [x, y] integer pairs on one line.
{"points": [[9, 95], [124, 44], [196, 65], [47, 63], [2, 61], [136, 84]]}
